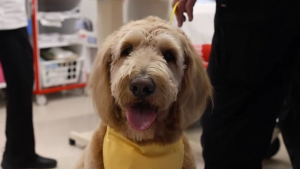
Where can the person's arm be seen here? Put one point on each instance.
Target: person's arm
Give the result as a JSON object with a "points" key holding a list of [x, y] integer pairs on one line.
{"points": [[184, 6]]}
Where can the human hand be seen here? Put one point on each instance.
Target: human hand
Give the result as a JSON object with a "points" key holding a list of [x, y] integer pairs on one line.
{"points": [[184, 6]]}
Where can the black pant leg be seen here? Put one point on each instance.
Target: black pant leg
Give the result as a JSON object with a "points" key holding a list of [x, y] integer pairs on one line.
{"points": [[17, 60], [250, 68], [289, 120]]}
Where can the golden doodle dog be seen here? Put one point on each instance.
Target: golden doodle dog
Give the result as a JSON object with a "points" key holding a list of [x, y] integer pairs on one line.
{"points": [[148, 85]]}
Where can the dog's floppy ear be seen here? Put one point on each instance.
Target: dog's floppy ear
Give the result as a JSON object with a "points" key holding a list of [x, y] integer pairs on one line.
{"points": [[196, 89], [99, 84]]}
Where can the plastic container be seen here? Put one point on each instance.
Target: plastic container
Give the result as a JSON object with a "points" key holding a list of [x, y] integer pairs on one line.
{"points": [[60, 72], [57, 5], [204, 51]]}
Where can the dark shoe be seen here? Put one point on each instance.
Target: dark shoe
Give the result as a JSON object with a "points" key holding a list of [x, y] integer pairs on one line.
{"points": [[35, 162]]}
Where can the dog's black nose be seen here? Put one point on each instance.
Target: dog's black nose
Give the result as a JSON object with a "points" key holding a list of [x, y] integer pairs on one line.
{"points": [[142, 86]]}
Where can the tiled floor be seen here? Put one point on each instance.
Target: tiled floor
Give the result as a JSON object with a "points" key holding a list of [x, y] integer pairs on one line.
{"points": [[74, 112]]}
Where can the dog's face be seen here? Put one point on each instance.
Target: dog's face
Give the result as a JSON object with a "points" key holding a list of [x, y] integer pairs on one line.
{"points": [[149, 81]]}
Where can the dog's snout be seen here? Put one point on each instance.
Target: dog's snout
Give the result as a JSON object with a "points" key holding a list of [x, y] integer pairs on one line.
{"points": [[142, 86]]}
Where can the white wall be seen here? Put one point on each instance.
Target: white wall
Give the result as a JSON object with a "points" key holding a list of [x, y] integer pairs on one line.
{"points": [[139, 9], [132, 10], [89, 10]]}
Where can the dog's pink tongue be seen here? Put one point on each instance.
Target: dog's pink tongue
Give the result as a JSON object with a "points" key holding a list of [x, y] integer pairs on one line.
{"points": [[140, 119]]}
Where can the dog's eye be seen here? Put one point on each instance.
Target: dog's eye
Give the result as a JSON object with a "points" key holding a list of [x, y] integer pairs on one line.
{"points": [[169, 56], [126, 51]]}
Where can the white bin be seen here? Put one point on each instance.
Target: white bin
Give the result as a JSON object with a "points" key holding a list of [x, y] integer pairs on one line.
{"points": [[60, 72]]}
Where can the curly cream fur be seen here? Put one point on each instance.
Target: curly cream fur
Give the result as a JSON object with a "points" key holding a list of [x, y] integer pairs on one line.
{"points": [[182, 88]]}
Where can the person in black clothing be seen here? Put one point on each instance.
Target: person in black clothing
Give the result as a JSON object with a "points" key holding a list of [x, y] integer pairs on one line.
{"points": [[16, 57], [17, 61], [254, 66]]}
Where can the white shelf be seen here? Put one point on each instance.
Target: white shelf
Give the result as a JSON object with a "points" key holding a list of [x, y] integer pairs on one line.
{"points": [[58, 15], [43, 45], [85, 37], [89, 45], [55, 19], [62, 15]]}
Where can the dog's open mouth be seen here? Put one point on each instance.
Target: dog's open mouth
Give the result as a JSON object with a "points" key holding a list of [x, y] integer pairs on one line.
{"points": [[141, 115]]}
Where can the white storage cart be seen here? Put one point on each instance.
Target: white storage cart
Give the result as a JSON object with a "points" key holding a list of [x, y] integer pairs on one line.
{"points": [[53, 25]]}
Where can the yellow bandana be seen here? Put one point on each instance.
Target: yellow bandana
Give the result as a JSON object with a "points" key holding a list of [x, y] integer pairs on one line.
{"points": [[121, 153]]}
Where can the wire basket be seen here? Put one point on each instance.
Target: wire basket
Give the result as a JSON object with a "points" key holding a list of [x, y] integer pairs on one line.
{"points": [[60, 72]]}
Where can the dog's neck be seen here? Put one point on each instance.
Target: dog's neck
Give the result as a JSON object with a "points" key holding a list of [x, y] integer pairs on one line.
{"points": [[120, 152]]}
